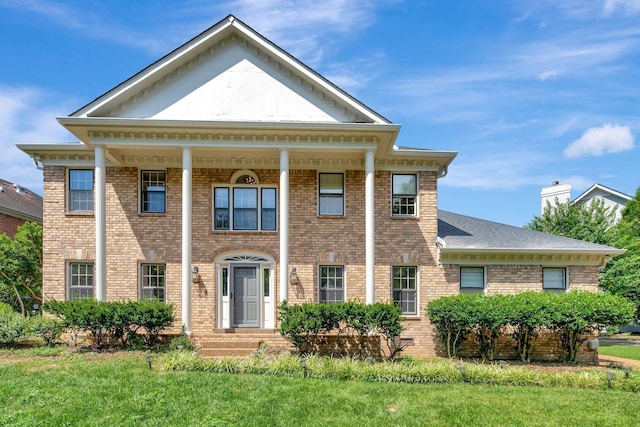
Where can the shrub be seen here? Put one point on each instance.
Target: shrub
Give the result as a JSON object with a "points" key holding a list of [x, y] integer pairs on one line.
{"points": [[121, 320], [529, 312], [576, 314], [12, 324], [453, 319], [182, 342], [301, 324], [49, 330], [492, 315]]}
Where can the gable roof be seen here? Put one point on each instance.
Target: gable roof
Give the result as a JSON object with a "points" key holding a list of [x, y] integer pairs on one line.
{"points": [[599, 189], [217, 38], [467, 239], [20, 202]]}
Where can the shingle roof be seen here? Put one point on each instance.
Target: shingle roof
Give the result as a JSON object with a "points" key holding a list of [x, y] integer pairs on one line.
{"points": [[20, 202], [464, 232]]}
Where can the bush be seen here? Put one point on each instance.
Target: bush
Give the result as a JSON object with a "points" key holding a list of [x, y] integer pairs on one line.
{"points": [[302, 324], [120, 320], [49, 330], [492, 315], [577, 314], [12, 324], [454, 319], [182, 342], [529, 312]]}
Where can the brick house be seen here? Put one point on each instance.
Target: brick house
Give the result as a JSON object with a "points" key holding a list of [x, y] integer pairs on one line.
{"points": [[228, 176], [17, 206]]}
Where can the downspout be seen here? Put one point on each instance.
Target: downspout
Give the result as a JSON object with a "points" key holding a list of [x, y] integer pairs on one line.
{"points": [[443, 172], [36, 160]]}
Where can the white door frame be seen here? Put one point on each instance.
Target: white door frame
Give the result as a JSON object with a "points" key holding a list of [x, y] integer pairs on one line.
{"points": [[265, 267]]}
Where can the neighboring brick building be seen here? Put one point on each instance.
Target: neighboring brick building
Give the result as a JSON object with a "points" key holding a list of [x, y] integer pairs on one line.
{"points": [[17, 206], [228, 176]]}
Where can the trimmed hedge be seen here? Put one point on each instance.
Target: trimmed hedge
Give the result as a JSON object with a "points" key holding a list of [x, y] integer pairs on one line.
{"points": [[303, 324], [120, 320], [572, 316]]}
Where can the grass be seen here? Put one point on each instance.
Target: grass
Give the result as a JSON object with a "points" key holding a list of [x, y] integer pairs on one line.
{"points": [[119, 389], [626, 351]]}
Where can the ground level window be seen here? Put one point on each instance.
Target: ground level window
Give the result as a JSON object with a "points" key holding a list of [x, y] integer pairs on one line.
{"points": [[152, 282], [554, 279], [405, 284], [471, 280], [80, 280], [331, 284]]}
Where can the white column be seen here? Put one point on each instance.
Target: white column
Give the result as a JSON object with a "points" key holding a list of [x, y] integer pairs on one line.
{"points": [[101, 229], [186, 239], [284, 225], [370, 242]]}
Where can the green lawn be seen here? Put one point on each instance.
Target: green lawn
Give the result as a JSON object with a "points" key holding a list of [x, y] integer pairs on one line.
{"points": [[626, 351], [102, 390]]}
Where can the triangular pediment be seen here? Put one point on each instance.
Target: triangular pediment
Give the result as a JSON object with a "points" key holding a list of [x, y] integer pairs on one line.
{"points": [[230, 73]]}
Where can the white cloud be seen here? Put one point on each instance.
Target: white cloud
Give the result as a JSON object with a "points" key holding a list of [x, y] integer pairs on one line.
{"points": [[547, 75], [630, 6], [598, 141]]}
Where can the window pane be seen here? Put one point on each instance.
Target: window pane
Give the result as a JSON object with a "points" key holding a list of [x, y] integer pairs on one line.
{"points": [[331, 205], [268, 200], [404, 185], [405, 288], [222, 197], [245, 209], [81, 179], [554, 278], [331, 284], [152, 282], [80, 280], [331, 183], [472, 277], [265, 281], [153, 191], [221, 211]]}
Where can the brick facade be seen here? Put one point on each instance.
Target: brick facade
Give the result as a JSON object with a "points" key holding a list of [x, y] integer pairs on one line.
{"points": [[9, 224], [315, 240]]}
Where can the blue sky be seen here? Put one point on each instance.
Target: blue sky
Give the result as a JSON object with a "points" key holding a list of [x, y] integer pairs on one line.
{"points": [[527, 92]]}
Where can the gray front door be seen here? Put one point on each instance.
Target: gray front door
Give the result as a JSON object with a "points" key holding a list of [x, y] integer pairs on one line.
{"points": [[246, 297]]}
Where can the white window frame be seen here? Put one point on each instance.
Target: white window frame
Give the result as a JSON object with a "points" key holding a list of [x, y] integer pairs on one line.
{"points": [[407, 195], [565, 279], [260, 209], [145, 277], [70, 192], [416, 278], [142, 191], [344, 284], [342, 195], [85, 275], [465, 288]]}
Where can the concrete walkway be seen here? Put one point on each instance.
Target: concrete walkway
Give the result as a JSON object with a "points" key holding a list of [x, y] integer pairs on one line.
{"points": [[607, 360]]}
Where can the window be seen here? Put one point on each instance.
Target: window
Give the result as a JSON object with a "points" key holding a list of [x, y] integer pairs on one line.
{"points": [[331, 284], [80, 190], [404, 195], [405, 284], [80, 280], [472, 279], [244, 207], [554, 279], [331, 194], [152, 282], [153, 192]]}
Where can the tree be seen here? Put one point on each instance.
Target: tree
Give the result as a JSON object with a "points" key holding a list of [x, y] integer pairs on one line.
{"points": [[621, 276], [21, 267], [591, 222]]}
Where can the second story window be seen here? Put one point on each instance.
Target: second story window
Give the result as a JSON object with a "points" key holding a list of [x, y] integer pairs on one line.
{"points": [[404, 195], [244, 205], [80, 194], [153, 193], [331, 194]]}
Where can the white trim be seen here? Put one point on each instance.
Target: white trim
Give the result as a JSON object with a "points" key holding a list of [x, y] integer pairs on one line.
{"points": [[142, 170], [231, 187], [187, 203], [370, 238], [471, 289], [417, 196], [417, 267], [344, 279], [284, 225], [100, 207]]}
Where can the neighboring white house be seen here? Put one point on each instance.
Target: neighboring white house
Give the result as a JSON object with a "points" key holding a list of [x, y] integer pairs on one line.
{"points": [[562, 193]]}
